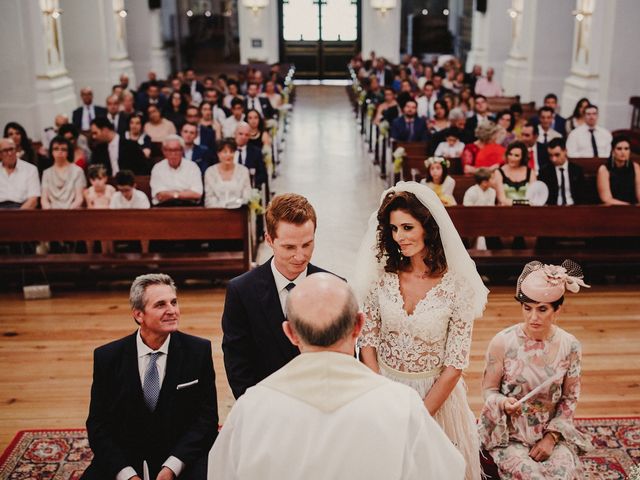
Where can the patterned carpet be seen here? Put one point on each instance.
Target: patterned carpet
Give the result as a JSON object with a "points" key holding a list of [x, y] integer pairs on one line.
{"points": [[64, 454]]}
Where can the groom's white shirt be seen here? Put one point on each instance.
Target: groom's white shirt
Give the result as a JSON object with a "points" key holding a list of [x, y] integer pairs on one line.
{"points": [[325, 415]]}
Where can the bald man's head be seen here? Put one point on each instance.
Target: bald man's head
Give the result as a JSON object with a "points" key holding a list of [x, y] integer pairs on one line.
{"points": [[322, 310]]}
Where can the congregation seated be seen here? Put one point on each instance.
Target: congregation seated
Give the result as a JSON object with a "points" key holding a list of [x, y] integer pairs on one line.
{"points": [[537, 152], [426, 101], [619, 179], [232, 93], [258, 134], [484, 151], [128, 196], [409, 127], [49, 132], [439, 180], [589, 139], [135, 134], [209, 122], [115, 152], [174, 180], [514, 177], [81, 154], [199, 154], [388, 110], [577, 117], [480, 114], [564, 179], [232, 121], [558, 123], [22, 142], [546, 133], [149, 94], [482, 193], [218, 112], [19, 182], [271, 94], [157, 127], [205, 135], [506, 121], [255, 102], [440, 119], [488, 85], [100, 193], [63, 183], [82, 116], [249, 155], [452, 147], [175, 109], [227, 184], [116, 116]]}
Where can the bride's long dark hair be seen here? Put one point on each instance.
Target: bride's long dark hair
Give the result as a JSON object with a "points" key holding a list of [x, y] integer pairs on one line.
{"points": [[435, 259]]}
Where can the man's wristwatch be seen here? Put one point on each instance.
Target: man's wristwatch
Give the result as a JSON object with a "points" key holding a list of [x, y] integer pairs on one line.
{"points": [[176, 195]]}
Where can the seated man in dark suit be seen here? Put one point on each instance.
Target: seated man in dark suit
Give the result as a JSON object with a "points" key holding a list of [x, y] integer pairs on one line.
{"points": [[205, 136], [564, 179], [558, 123], [250, 156], [538, 154], [254, 102], [114, 151], [119, 119], [150, 96], [198, 154], [254, 343], [482, 113], [153, 399], [82, 116], [409, 127]]}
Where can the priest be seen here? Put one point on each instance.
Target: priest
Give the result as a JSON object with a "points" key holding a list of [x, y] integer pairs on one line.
{"points": [[325, 415]]}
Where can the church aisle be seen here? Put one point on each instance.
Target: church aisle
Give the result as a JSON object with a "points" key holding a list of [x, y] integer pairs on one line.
{"points": [[324, 160]]}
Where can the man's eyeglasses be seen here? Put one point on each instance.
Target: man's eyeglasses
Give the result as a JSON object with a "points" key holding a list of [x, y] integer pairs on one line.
{"points": [[8, 150]]}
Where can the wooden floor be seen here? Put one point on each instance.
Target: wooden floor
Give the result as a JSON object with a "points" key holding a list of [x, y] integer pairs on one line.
{"points": [[46, 345], [46, 350]]}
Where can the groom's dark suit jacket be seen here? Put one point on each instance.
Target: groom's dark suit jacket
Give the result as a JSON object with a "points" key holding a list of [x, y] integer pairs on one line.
{"points": [[122, 431], [254, 344]]}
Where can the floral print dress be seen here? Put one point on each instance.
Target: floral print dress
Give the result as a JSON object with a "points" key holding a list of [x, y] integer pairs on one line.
{"points": [[516, 364]]}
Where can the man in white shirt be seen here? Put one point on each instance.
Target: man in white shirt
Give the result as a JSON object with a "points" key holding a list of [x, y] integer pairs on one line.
{"points": [[174, 180], [329, 415], [545, 132], [427, 101], [19, 182], [231, 122], [128, 196], [589, 140], [153, 411], [487, 86]]}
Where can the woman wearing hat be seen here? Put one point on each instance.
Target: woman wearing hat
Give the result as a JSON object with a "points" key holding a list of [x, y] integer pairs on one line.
{"points": [[531, 383]]}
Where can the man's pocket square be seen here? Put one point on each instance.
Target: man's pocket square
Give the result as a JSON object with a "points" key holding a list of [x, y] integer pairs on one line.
{"points": [[187, 385]]}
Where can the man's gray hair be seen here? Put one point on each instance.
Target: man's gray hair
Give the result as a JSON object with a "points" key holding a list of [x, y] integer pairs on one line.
{"points": [[335, 331], [173, 138], [240, 124], [140, 285], [456, 114]]}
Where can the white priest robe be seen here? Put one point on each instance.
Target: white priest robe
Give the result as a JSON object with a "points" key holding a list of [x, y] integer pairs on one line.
{"points": [[327, 416]]}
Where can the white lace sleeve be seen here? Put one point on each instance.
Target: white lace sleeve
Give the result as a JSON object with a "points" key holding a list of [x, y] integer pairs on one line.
{"points": [[460, 326], [370, 335]]}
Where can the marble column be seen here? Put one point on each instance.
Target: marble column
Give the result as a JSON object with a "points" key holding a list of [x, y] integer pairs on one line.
{"points": [[381, 32], [259, 36], [96, 44], [145, 43], [604, 65], [36, 84], [540, 53], [490, 37]]}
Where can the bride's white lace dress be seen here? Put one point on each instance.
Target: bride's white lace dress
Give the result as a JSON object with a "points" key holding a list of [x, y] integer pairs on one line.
{"points": [[413, 349]]}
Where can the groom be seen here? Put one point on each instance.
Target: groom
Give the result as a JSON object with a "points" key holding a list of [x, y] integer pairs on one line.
{"points": [[254, 344]]}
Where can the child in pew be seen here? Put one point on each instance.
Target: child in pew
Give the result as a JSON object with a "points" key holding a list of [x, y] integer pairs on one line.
{"points": [[99, 194], [438, 179], [480, 194], [452, 147], [128, 196]]}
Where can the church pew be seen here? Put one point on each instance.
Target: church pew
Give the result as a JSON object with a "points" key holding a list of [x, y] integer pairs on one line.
{"points": [[497, 104], [575, 223], [172, 224]]}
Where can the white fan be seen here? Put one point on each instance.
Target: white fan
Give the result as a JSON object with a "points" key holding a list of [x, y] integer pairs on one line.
{"points": [[537, 193]]}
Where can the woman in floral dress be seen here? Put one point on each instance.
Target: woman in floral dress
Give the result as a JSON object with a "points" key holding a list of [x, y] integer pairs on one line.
{"points": [[531, 383]]}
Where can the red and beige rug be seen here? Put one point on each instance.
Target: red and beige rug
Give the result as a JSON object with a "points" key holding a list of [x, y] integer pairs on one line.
{"points": [[64, 454]]}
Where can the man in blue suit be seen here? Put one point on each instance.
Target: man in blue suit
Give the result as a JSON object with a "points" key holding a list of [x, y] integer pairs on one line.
{"points": [[199, 154], [250, 156], [409, 127], [558, 123], [206, 136]]}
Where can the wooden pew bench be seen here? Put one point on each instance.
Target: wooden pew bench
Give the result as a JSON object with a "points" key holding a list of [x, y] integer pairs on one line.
{"points": [[172, 224], [575, 223]]}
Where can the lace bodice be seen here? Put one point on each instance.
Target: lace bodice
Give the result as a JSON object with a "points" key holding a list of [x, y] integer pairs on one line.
{"points": [[436, 334]]}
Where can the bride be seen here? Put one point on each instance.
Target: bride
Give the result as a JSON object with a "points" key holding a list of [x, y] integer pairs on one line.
{"points": [[421, 293]]}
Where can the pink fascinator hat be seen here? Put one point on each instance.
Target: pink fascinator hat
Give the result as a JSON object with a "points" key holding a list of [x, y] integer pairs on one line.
{"points": [[547, 283]]}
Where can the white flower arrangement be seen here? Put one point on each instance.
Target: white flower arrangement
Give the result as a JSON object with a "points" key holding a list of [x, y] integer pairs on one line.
{"points": [[634, 473], [255, 202], [398, 157], [383, 127], [433, 160]]}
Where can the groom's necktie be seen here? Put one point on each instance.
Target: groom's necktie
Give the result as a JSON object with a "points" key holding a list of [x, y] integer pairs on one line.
{"points": [[290, 286]]}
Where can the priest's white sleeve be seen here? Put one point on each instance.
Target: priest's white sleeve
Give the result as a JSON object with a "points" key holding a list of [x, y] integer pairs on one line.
{"points": [[429, 452], [223, 456]]}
